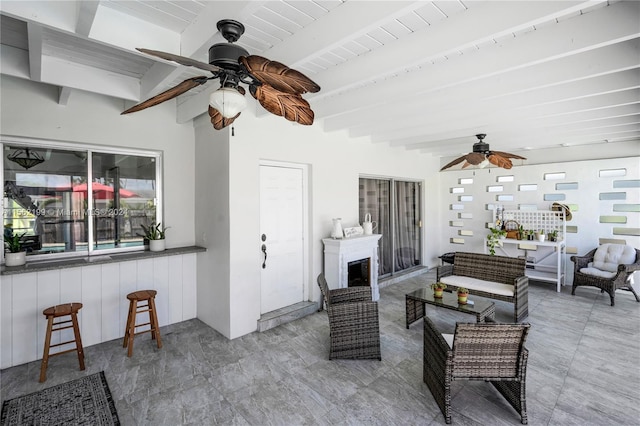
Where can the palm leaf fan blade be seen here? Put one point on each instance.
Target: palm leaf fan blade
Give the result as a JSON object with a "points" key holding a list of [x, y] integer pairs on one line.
{"points": [[278, 75], [508, 155], [290, 106], [499, 161], [454, 162], [475, 158], [218, 120], [182, 60], [175, 91]]}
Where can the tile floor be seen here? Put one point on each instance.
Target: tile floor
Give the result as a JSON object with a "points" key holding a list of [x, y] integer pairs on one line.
{"points": [[583, 370]]}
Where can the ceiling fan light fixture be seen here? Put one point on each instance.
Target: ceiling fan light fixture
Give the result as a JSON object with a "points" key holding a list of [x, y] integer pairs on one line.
{"points": [[228, 101], [484, 163]]}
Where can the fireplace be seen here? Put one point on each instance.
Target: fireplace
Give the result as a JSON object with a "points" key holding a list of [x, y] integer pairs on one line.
{"points": [[352, 262], [358, 273]]}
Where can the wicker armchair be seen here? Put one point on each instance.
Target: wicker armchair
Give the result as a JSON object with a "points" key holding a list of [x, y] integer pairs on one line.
{"points": [[480, 351], [607, 276], [353, 322]]}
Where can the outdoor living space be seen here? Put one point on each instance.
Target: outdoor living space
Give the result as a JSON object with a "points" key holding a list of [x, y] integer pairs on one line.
{"points": [[581, 370], [368, 142]]}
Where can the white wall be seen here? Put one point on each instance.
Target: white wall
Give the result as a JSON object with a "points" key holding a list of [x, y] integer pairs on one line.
{"points": [[336, 162], [31, 110], [212, 226], [585, 200]]}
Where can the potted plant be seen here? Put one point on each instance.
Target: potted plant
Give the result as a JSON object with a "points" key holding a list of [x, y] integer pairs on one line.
{"points": [[438, 288], [540, 235], [530, 235], [155, 234], [463, 293], [521, 233], [14, 255], [553, 235], [493, 239]]}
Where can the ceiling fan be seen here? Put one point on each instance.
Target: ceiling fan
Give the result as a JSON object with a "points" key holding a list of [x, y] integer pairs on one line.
{"points": [[482, 156], [275, 86]]}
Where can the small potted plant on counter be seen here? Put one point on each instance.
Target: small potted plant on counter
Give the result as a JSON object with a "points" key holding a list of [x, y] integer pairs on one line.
{"points": [[155, 234], [463, 293], [14, 255], [438, 288]]}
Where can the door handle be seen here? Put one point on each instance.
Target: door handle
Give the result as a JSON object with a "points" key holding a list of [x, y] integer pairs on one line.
{"points": [[264, 250]]}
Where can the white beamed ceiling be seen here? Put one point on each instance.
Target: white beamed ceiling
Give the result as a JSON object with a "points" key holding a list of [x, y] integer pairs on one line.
{"points": [[424, 75]]}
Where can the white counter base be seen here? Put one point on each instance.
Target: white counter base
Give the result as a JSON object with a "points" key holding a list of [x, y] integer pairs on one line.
{"points": [[102, 289]]}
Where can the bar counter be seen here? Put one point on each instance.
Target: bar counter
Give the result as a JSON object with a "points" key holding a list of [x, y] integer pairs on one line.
{"points": [[101, 283]]}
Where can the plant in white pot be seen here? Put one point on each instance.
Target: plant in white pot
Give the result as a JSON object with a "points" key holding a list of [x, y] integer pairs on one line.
{"points": [[14, 255], [155, 234]]}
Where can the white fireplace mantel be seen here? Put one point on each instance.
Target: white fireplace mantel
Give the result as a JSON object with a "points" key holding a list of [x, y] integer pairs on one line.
{"points": [[339, 252]]}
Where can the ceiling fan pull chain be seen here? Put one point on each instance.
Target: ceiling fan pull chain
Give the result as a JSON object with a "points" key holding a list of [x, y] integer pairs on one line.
{"points": [[233, 131]]}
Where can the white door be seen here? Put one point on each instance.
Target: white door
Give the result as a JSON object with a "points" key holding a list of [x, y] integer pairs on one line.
{"points": [[282, 236]]}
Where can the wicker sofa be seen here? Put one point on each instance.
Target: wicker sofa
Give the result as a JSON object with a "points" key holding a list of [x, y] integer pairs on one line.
{"points": [[495, 277]]}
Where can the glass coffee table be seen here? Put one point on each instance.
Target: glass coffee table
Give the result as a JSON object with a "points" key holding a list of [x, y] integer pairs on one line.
{"points": [[482, 309]]}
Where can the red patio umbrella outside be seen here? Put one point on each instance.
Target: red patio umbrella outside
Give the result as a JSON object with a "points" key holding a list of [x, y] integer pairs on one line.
{"points": [[103, 192]]}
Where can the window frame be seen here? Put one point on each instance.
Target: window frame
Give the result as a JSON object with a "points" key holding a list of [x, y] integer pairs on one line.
{"points": [[90, 149]]}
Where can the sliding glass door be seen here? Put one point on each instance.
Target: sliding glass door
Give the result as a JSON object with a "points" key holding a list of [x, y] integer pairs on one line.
{"points": [[406, 225], [395, 206]]}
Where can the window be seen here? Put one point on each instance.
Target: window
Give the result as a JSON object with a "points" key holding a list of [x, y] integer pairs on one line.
{"points": [[78, 200]]}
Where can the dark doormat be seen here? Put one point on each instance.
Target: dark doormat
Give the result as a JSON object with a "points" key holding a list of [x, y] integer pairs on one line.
{"points": [[84, 401]]}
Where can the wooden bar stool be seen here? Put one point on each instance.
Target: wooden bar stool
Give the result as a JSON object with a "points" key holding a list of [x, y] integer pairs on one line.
{"points": [[136, 297], [68, 309]]}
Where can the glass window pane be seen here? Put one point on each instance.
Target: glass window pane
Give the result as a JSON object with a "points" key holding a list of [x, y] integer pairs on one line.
{"points": [[40, 199], [124, 193]]}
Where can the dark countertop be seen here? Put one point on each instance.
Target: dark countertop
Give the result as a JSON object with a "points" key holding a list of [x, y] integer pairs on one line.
{"points": [[75, 262]]}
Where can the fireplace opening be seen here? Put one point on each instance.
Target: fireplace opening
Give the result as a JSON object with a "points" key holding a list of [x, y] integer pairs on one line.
{"points": [[358, 273]]}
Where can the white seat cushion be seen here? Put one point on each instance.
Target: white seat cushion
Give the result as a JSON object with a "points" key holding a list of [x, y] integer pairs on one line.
{"points": [[597, 272], [449, 339], [608, 256], [480, 285]]}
